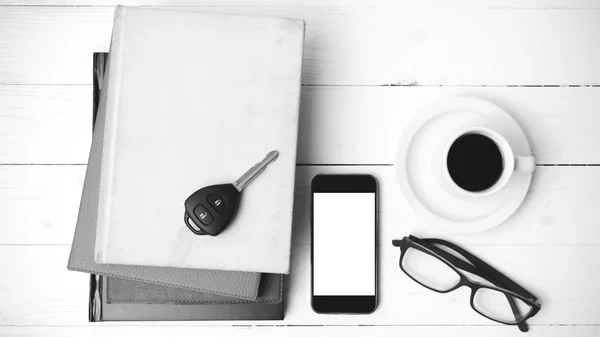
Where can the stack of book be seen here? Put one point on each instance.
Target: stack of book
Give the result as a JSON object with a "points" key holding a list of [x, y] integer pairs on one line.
{"points": [[184, 100]]}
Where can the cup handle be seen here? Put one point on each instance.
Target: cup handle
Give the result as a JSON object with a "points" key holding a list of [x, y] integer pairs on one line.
{"points": [[524, 164]]}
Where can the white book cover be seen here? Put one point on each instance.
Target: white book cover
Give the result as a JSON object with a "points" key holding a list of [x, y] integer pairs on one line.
{"points": [[196, 99]]}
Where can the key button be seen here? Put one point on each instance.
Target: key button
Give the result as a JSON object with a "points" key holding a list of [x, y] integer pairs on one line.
{"points": [[217, 202], [202, 213]]}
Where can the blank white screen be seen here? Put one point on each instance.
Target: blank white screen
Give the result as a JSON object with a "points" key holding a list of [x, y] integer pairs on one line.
{"points": [[344, 244]]}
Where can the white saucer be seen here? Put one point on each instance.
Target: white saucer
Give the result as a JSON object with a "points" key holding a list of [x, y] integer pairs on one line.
{"points": [[435, 207]]}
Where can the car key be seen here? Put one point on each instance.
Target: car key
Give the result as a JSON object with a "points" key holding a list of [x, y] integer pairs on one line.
{"points": [[210, 209]]}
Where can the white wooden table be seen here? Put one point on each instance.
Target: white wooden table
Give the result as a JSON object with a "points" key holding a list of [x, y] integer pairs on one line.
{"points": [[369, 67]]}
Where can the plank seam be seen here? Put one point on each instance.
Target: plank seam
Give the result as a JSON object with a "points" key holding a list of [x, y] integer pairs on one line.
{"points": [[409, 84], [303, 164], [380, 244], [416, 84], [107, 325], [568, 165], [42, 164], [458, 7]]}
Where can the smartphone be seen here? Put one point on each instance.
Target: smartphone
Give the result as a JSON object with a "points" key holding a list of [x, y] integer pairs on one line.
{"points": [[343, 251]]}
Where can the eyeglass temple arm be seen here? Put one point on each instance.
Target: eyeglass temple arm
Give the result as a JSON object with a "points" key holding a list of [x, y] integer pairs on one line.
{"points": [[458, 263], [488, 270]]}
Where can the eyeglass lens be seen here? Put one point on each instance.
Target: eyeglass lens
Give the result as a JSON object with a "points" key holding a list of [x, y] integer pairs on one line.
{"points": [[429, 270], [494, 304]]}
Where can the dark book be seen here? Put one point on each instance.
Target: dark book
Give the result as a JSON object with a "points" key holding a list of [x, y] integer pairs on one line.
{"points": [[114, 299]]}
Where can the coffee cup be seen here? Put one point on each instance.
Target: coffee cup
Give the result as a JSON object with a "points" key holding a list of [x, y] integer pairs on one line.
{"points": [[480, 162]]}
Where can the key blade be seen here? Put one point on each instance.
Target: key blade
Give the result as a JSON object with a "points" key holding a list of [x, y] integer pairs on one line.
{"points": [[255, 170]]}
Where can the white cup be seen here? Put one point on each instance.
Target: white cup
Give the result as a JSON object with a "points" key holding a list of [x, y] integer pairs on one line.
{"points": [[511, 163]]}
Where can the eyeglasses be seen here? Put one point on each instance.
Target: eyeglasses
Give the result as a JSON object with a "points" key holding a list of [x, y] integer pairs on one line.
{"points": [[435, 268]]}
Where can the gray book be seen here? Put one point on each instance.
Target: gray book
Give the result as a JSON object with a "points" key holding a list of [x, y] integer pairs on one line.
{"points": [[243, 285], [114, 299]]}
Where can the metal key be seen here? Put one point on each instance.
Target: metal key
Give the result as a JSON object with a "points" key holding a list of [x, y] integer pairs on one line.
{"points": [[211, 209], [255, 171]]}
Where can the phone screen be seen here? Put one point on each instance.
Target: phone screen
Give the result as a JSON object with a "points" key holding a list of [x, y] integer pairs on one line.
{"points": [[343, 255], [344, 244]]}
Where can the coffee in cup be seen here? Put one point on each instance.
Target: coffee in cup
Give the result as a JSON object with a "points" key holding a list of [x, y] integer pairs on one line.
{"points": [[475, 162], [480, 161]]}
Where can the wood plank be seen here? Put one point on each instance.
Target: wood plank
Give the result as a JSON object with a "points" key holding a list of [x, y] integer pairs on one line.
{"points": [[39, 205], [93, 330], [561, 208], [564, 277], [346, 46], [51, 124], [363, 125], [45, 124], [487, 4]]}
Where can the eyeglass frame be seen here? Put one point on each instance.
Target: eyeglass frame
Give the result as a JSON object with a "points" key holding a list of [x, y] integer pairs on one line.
{"points": [[477, 267]]}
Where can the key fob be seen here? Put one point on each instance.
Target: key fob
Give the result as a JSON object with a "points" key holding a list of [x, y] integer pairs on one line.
{"points": [[210, 209]]}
